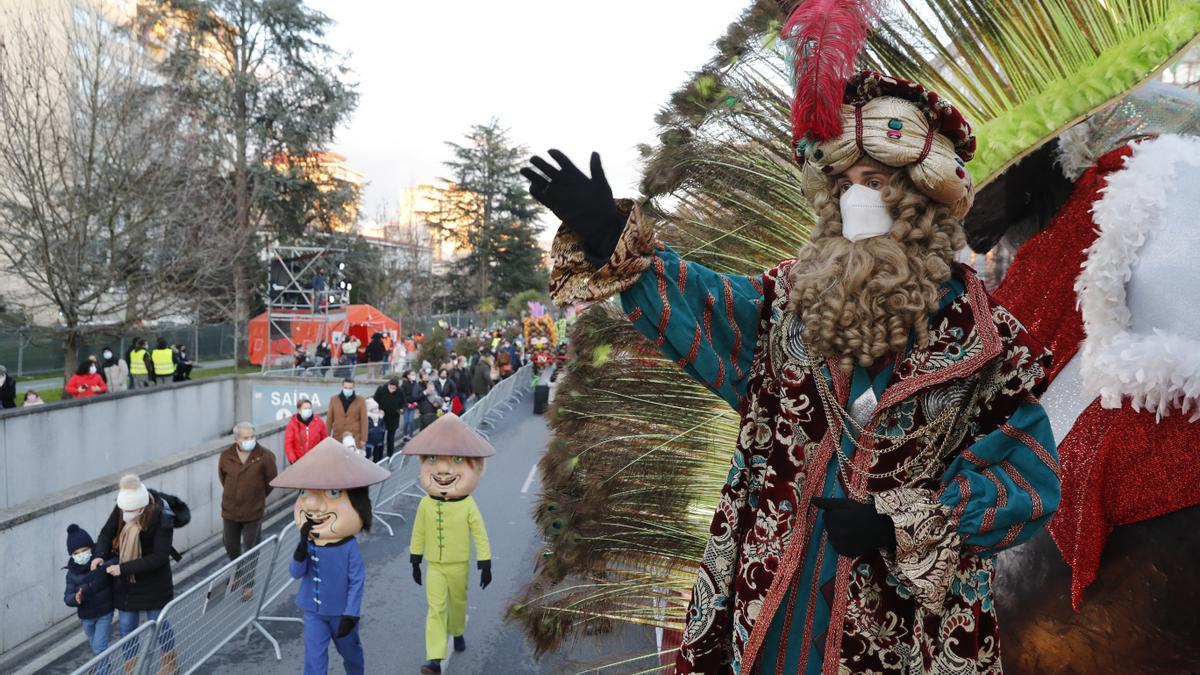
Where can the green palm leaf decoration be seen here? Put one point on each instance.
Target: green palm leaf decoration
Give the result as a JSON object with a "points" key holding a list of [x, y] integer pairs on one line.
{"points": [[1023, 71]]}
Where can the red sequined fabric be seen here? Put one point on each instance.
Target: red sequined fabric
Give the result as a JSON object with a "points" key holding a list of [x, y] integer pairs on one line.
{"points": [[1120, 467], [1039, 288]]}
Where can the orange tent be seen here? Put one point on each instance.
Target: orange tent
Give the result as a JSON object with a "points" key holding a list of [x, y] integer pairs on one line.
{"points": [[307, 329]]}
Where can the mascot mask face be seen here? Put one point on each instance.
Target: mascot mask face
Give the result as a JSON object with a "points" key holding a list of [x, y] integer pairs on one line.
{"points": [[450, 477], [335, 517]]}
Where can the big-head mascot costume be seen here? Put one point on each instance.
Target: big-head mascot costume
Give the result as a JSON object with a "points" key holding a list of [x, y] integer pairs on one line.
{"points": [[332, 507], [447, 521]]}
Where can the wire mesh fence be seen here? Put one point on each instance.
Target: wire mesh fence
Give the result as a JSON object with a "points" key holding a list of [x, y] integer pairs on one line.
{"points": [[30, 350]]}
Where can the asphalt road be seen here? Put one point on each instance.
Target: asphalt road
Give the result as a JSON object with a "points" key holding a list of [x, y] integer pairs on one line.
{"points": [[394, 607]]}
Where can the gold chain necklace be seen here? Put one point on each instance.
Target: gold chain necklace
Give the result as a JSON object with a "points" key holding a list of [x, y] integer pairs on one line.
{"points": [[837, 415]]}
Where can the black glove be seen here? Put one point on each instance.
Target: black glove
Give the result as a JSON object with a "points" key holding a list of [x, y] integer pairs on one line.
{"points": [[485, 572], [346, 625], [855, 528], [301, 553], [416, 564], [584, 204]]}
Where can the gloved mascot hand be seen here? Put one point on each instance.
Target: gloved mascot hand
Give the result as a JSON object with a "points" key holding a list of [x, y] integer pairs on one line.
{"points": [[485, 573], [584, 204], [416, 565], [855, 528], [346, 625], [301, 553]]}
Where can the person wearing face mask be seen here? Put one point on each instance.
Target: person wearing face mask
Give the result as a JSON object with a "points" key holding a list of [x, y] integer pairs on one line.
{"points": [[85, 382], [391, 401], [413, 392], [8, 390], [428, 401], [891, 436], [32, 398], [303, 432], [89, 590], [445, 387], [139, 534], [116, 371], [348, 416], [245, 470]]}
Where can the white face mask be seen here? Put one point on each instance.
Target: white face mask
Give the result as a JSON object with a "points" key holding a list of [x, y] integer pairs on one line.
{"points": [[82, 558], [306, 413], [347, 392], [91, 370], [248, 445], [130, 516], [864, 215], [108, 355]]}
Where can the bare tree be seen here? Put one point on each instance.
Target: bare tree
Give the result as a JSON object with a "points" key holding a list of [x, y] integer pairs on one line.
{"points": [[102, 199]]}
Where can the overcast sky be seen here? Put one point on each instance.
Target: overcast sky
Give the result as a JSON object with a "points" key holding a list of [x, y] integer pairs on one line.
{"points": [[558, 73]]}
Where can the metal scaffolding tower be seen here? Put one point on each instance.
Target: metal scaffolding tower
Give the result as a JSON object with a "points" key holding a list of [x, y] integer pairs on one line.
{"points": [[296, 311]]}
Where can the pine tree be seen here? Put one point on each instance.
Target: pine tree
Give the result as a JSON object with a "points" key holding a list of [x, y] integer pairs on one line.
{"points": [[498, 224]]}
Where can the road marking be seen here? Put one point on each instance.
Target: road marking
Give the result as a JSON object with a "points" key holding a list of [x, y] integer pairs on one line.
{"points": [[529, 479]]}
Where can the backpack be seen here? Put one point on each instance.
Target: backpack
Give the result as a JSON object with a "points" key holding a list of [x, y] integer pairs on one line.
{"points": [[182, 515]]}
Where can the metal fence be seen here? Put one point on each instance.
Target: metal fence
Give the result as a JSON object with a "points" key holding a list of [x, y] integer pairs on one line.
{"points": [[123, 656], [235, 598], [34, 350]]}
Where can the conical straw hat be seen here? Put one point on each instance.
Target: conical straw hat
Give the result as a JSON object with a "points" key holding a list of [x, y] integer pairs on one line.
{"points": [[331, 466], [449, 435]]}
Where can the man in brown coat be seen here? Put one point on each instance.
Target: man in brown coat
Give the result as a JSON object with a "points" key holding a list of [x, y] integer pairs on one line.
{"points": [[348, 415], [246, 470]]}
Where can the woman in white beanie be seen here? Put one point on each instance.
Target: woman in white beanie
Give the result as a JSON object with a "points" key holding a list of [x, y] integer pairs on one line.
{"points": [[139, 534]]}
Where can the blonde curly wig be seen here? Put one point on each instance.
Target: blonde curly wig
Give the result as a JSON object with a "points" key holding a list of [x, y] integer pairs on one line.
{"points": [[861, 301]]}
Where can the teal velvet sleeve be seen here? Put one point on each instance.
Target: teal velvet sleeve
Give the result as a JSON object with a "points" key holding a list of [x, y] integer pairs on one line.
{"points": [[705, 321], [1006, 486]]}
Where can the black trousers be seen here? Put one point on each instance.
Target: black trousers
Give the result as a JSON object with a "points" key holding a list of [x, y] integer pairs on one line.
{"points": [[391, 439], [427, 419], [241, 537]]}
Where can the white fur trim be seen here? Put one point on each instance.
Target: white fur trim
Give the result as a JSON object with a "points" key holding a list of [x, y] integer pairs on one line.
{"points": [[1074, 154], [1156, 372]]}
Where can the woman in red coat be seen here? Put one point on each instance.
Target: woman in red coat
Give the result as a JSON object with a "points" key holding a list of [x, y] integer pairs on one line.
{"points": [[85, 382], [303, 432]]}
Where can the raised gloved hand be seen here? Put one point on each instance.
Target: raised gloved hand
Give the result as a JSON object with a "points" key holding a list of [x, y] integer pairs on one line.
{"points": [[485, 572], [584, 204], [346, 625], [301, 553], [855, 528], [416, 565]]}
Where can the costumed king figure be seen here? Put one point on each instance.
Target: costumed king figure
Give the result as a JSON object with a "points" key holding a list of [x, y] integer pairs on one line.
{"points": [[332, 507], [891, 441], [447, 520]]}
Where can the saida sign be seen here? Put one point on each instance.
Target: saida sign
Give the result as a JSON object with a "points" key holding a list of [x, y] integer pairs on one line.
{"points": [[278, 401]]}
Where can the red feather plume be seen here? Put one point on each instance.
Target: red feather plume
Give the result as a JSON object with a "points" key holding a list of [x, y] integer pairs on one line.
{"points": [[828, 36]]}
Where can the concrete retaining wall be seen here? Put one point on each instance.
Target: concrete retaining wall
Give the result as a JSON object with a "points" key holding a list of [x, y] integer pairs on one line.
{"points": [[33, 534], [55, 447]]}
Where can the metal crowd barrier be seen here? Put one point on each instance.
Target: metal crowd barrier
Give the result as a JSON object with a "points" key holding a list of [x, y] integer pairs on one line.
{"points": [[197, 623], [122, 656], [202, 619], [276, 584]]}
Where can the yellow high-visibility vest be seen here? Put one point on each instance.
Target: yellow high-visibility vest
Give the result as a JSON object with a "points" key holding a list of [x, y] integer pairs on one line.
{"points": [[137, 362], [164, 361]]}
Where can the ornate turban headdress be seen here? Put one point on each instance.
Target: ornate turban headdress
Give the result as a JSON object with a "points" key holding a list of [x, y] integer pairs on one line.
{"points": [[840, 116]]}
